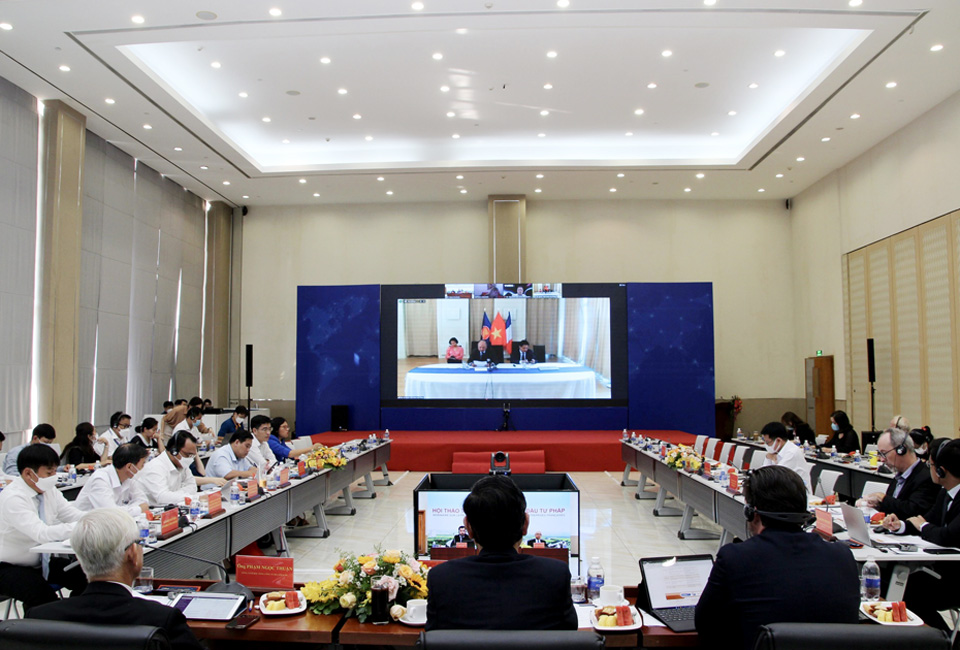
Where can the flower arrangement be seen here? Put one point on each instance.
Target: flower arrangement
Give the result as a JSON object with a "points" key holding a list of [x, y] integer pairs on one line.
{"points": [[685, 458], [325, 457], [349, 587], [736, 405]]}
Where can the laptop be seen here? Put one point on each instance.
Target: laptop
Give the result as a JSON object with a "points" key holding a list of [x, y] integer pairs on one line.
{"points": [[857, 528], [673, 585]]}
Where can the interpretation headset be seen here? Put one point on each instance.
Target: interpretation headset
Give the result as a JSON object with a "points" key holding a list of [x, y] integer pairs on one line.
{"points": [[896, 424], [937, 467], [802, 518]]}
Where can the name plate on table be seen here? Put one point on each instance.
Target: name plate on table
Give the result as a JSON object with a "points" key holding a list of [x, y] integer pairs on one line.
{"points": [[169, 524], [539, 545], [734, 484], [285, 477], [261, 572], [824, 523], [461, 545], [252, 492], [215, 504]]}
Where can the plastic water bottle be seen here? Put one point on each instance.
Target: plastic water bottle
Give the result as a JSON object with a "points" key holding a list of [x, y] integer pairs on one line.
{"points": [[739, 432], [386, 434], [870, 581], [144, 526], [73, 474], [724, 479], [234, 495], [856, 457], [595, 579], [194, 509]]}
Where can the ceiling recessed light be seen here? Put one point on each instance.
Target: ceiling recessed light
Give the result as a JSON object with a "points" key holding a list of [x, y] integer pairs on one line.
{"points": [[855, 3], [700, 175], [265, 119], [613, 189], [437, 56], [416, 6], [204, 167], [389, 192], [731, 113], [620, 175], [651, 85], [444, 89], [629, 134], [936, 48], [451, 114], [316, 193], [800, 158], [455, 136], [110, 100], [459, 177], [285, 141], [541, 135], [463, 191], [709, 3], [357, 116], [538, 190], [714, 134], [855, 116], [64, 68], [325, 60], [548, 86], [544, 113], [303, 181], [551, 54], [687, 189], [147, 127], [226, 182], [215, 65], [462, 30], [779, 175], [638, 111], [666, 53], [178, 148], [779, 53], [825, 139], [380, 178], [539, 175], [137, 20], [246, 196], [890, 84], [753, 86], [368, 138], [563, 4], [206, 15], [243, 94], [6, 27], [341, 91], [276, 12], [761, 190]]}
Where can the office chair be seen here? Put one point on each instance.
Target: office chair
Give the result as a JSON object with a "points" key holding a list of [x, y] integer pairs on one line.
{"points": [[510, 640], [37, 634], [802, 636]]}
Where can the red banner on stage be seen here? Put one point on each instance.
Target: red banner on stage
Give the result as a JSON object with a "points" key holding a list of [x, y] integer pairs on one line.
{"points": [[265, 572]]}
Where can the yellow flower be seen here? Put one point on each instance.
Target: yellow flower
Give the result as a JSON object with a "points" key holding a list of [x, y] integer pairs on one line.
{"points": [[348, 600], [370, 567], [363, 559], [391, 557], [406, 572]]}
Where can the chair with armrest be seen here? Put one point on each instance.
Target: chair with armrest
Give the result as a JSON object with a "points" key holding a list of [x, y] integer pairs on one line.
{"points": [[510, 640], [540, 353], [36, 634], [802, 636]]}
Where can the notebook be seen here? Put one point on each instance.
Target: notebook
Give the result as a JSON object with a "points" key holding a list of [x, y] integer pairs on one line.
{"points": [[673, 586]]}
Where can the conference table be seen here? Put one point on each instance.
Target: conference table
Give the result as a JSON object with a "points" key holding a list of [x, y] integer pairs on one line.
{"points": [[505, 381]]}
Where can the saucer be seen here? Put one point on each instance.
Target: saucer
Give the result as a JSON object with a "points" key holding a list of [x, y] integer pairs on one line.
{"points": [[411, 622]]}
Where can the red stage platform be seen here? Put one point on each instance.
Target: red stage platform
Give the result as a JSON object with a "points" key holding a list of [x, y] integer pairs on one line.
{"points": [[566, 451]]}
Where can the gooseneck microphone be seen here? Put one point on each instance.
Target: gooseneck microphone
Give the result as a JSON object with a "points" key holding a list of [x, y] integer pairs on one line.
{"points": [[224, 586]]}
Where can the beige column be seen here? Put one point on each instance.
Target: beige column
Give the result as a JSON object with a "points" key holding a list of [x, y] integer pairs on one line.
{"points": [[508, 233], [63, 137], [214, 374]]}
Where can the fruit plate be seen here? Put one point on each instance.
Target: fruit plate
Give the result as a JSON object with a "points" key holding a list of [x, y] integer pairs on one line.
{"points": [[637, 622], [283, 612], [914, 619]]}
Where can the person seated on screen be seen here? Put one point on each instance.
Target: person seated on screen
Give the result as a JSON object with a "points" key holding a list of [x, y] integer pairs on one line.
{"points": [[486, 353], [233, 423], [148, 435], [845, 438], [781, 451], [926, 596], [536, 539], [913, 491], [460, 538], [800, 432], [230, 461], [167, 479], [105, 542], [34, 512], [455, 351], [43, 434], [780, 574], [499, 588], [112, 486], [523, 353], [86, 449]]}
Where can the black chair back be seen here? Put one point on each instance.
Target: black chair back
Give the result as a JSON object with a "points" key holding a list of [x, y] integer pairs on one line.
{"points": [[510, 640], [540, 353], [36, 634], [803, 636]]}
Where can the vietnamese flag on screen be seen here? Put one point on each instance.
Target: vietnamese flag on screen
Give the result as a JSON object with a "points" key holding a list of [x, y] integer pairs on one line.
{"points": [[485, 330], [508, 346], [498, 331]]}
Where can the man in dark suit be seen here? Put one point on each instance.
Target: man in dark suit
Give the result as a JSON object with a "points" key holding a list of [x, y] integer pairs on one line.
{"points": [[484, 352], [926, 595], [523, 352], [461, 537], [105, 542], [499, 589], [913, 492], [780, 574]]}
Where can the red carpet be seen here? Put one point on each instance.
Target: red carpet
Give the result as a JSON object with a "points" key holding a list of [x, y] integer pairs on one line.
{"points": [[566, 451]]}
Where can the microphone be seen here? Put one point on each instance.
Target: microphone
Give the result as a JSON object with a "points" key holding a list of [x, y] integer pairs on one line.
{"points": [[225, 586]]}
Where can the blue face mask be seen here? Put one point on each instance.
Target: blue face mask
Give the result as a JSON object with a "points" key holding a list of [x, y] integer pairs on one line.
{"points": [[835, 426]]}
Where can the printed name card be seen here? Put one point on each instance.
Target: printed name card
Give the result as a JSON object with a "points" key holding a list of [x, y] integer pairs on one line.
{"points": [[284, 476], [265, 572], [301, 468], [824, 521], [251, 489], [461, 545], [734, 482], [169, 523], [214, 501], [539, 545]]}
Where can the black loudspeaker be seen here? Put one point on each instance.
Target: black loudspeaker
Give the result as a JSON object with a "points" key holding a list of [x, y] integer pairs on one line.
{"points": [[339, 417], [871, 366], [250, 364]]}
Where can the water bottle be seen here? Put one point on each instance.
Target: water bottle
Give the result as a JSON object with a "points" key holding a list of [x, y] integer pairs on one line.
{"points": [[234, 494], [724, 479], [595, 579], [194, 509], [73, 474], [625, 436], [739, 433], [96, 465], [386, 434], [856, 457], [144, 526], [870, 581]]}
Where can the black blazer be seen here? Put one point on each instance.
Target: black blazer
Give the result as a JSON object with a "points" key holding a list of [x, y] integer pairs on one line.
{"points": [[916, 497], [459, 538], [803, 434], [106, 603], [531, 354], [849, 442], [500, 591], [944, 528], [777, 577], [494, 353]]}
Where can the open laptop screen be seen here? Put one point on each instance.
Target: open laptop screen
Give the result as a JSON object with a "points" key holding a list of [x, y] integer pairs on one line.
{"points": [[675, 581]]}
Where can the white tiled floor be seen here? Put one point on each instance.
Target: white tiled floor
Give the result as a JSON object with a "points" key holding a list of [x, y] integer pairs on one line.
{"points": [[613, 525]]}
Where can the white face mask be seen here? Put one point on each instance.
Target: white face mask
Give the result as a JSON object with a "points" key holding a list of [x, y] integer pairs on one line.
{"points": [[185, 463], [47, 483], [771, 449], [240, 421]]}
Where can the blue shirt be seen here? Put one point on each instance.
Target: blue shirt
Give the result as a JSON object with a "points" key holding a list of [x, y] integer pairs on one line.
{"points": [[227, 429], [280, 450], [10, 462], [223, 461]]}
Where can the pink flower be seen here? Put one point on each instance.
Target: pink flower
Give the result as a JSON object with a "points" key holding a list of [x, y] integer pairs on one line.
{"points": [[370, 567], [413, 564], [392, 586]]}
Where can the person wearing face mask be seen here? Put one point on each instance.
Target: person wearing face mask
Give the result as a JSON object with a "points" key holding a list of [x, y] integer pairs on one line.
{"points": [[234, 422], [781, 451], [167, 478], [86, 448], [42, 433], [800, 432], [845, 438], [230, 461], [112, 487], [33, 512], [922, 438], [118, 432], [912, 492]]}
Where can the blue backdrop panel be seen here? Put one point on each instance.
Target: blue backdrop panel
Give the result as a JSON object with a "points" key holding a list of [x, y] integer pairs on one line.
{"points": [[488, 419], [338, 356], [670, 343]]}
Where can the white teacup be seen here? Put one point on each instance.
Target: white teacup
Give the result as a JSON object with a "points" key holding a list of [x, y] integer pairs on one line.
{"points": [[416, 610], [610, 595]]}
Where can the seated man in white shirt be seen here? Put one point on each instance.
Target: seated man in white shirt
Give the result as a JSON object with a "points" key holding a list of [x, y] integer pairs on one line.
{"points": [[781, 451], [260, 453], [167, 478], [230, 461], [33, 512], [42, 433], [112, 486], [118, 433]]}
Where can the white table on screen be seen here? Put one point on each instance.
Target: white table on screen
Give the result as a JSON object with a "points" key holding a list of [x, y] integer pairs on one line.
{"points": [[508, 381]]}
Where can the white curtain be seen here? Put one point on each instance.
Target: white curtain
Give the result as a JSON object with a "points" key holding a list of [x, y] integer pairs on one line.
{"points": [[19, 129]]}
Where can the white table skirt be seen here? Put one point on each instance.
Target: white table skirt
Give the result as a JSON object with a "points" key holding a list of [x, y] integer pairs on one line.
{"points": [[508, 381]]}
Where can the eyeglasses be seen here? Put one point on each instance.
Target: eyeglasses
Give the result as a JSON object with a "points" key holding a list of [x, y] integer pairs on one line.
{"points": [[883, 454]]}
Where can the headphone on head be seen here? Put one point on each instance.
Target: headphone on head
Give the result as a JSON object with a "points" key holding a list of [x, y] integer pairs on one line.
{"points": [[937, 468], [802, 518]]}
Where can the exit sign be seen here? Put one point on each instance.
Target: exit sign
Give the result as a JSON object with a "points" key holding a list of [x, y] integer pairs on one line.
{"points": [[819, 353]]}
